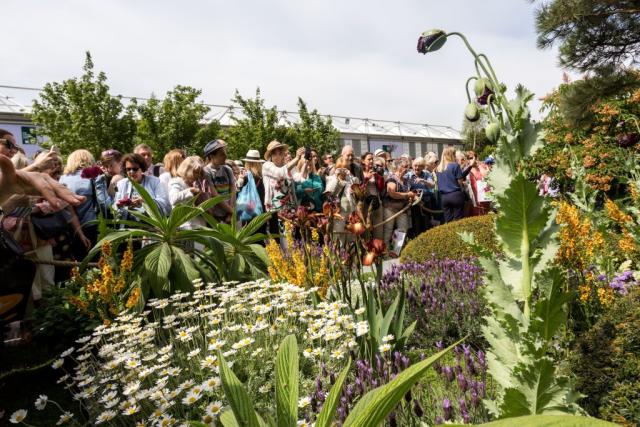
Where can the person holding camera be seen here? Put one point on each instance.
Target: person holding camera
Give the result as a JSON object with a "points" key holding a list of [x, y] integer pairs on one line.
{"points": [[373, 175], [309, 190], [398, 195], [421, 182]]}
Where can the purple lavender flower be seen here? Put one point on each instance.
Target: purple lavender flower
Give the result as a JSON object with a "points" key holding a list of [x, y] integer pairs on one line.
{"points": [[462, 382], [475, 399], [448, 373], [447, 409]]}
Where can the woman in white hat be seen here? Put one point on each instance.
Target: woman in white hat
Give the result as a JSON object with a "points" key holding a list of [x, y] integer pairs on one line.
{"points": [[278, 178], [253, 167]]}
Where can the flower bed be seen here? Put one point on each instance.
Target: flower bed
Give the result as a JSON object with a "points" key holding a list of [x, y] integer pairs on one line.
{"points": [[160, 365]]}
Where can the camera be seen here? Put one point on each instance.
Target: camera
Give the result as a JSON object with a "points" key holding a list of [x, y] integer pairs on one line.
{"points": [[307, 153], [378, 169]]}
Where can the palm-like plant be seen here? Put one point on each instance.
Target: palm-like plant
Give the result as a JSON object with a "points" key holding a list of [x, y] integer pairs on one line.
{"points": [[171, 257]]}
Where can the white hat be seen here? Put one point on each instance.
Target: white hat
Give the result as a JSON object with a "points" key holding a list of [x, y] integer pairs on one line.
{"points": [[253, 156], [378, 153]]}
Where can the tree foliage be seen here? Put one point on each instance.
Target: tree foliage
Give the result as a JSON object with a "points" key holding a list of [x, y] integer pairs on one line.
{"points": [[591, 33], [81, 113], [257, 125], [176, 121], [314, 131], [254, 127]]}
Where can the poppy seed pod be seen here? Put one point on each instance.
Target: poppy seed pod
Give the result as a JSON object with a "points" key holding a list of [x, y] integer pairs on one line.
{"points": [[492, 131], [472, 113], [431, 40], [481, 85]]}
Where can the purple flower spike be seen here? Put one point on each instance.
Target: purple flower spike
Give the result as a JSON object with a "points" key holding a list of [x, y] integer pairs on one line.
{"points": [[448, 373], [447, 409], [462, 382]]}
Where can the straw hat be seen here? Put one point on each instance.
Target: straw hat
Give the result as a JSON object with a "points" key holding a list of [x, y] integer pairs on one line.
{"points": [[253, 156], [272, 146]]}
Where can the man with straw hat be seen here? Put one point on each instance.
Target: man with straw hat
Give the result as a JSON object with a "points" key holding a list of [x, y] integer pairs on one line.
{"points": [[278, 178]]}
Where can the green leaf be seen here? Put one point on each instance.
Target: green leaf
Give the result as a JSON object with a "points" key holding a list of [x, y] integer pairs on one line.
{"points": [[522, 217], [546, 421], [150, 206], [237, 396], [382, 400], [539, 390], [158, 262], [330, 405], [549, 313], [388, 317], [287, 382]]}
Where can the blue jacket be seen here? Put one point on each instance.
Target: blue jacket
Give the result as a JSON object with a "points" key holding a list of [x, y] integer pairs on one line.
{"points": [[82, 186]]}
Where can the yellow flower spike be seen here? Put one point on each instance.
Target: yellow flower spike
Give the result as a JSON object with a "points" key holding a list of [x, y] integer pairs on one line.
{"points": [[615, 213], [106, 249], [133, 298]]}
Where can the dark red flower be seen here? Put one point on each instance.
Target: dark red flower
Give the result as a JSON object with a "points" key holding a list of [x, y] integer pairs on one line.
{"points": [[91, 172]]}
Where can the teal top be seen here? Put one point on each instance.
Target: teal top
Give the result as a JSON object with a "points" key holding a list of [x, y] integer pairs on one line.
{"points": [[312, 199]]}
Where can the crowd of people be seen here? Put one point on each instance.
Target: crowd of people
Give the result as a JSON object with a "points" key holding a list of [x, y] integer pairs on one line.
{"points": [[399, 197]]}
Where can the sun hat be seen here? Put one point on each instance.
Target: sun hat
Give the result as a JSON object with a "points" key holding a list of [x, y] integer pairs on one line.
{"points": [[238, 163], [272, 146], [214, 145], [378, 153], [253, 156]]}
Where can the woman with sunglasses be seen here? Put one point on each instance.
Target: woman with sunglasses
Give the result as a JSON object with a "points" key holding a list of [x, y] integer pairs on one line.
{"points": [[127, 198]]}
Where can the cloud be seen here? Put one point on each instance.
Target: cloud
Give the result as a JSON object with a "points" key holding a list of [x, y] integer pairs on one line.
{"points": [[352, 58]]}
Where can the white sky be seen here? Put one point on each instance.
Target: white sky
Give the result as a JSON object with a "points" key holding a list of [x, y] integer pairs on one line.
{"points": [[350, 57]]}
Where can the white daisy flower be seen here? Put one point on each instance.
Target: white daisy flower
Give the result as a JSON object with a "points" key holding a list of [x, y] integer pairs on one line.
{"points": [[67, 352], [304, 402], [384, 348], [337, 354], [214, 408], [387, 338], [191, 398], [65, 417], [41, 402], [105, 416], [18, 416]]}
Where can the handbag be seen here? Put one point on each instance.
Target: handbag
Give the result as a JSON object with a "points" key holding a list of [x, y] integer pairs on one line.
{"points": [[248, 203], [51, 225]]}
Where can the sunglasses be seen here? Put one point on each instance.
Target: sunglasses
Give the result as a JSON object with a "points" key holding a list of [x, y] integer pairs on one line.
{"points": [[132, 169], [10, 145]]}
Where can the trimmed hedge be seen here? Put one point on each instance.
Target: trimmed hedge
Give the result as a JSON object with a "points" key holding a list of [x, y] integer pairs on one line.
{"points": [[443, 241]]}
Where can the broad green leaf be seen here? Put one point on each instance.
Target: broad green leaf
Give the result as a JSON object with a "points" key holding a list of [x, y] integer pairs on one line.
{"points": [[330, 405], [287, 382], [382, 400], [538, 391], [237, 396], [546, 421], [254, 225], [150, 206], [549, 313], [158, 261], [522, 217], [388, 317]]}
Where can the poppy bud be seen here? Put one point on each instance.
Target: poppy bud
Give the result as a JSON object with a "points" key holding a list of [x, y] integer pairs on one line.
{"points": [[492, 131], [481, 85], [472, 113], [431, 40]]}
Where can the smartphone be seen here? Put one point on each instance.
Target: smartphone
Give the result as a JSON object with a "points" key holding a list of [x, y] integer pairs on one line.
{"points": [[307, 153]]}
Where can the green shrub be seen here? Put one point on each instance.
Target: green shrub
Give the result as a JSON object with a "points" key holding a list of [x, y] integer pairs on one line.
{"points": [[443, 241], [606, 363]]}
